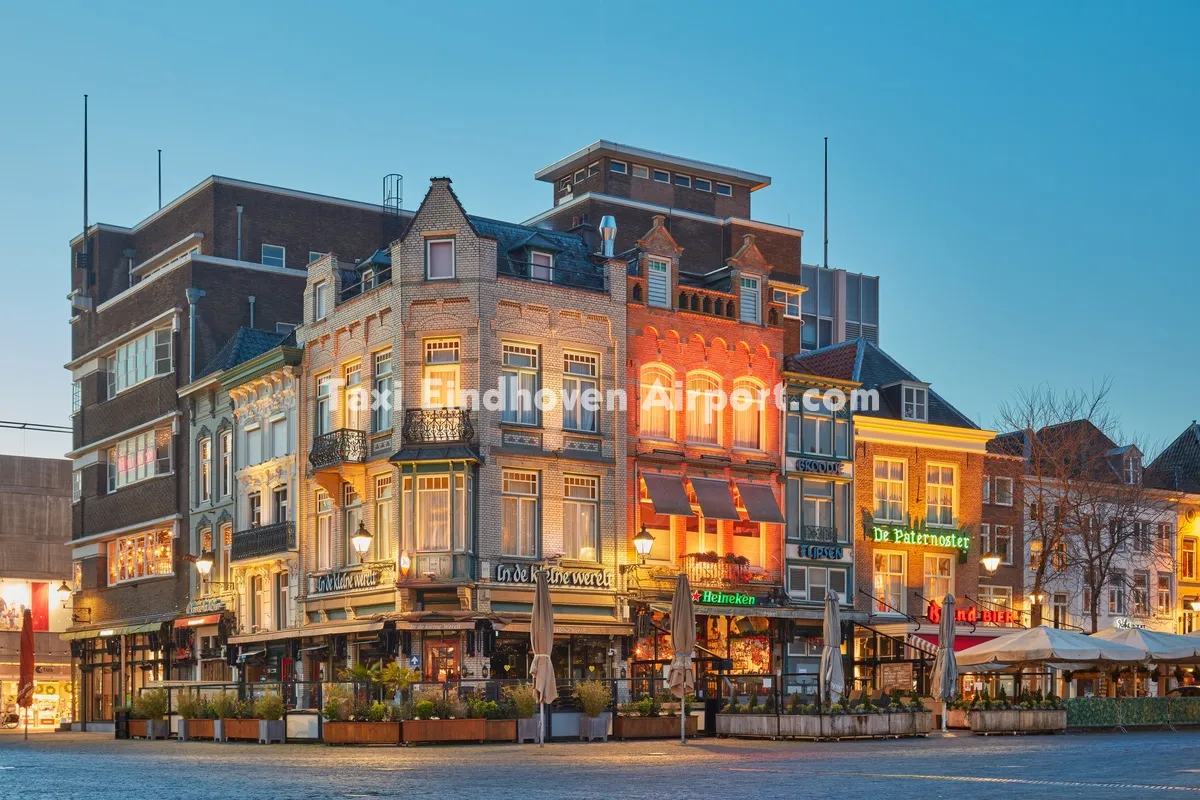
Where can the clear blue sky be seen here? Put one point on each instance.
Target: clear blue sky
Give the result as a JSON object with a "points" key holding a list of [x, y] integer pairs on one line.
{"points": [[1024, 179]]}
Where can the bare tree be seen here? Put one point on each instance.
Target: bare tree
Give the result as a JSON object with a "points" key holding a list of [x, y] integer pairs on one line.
{"points": [[1090, 505]]}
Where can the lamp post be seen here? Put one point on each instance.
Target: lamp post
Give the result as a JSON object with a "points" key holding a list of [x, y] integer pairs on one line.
{"points": [[990, 562], [643, 541], [361, 540], [1195, 604], [64, 593]]}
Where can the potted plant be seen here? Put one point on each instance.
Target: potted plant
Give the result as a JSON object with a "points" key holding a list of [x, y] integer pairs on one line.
{"points": [[272, 727], [593, 698], [657, 717], [223, 706], [196, 717], [439, 717], [150, 712], [525, 706], [240, 723], [500, 723], [352, 723]]}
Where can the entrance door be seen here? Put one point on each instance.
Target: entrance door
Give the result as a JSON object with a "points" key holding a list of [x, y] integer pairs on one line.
{"points": [[441, 659]]}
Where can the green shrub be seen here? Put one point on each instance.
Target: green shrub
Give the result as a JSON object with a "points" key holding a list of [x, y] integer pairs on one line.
{"points": [[752, 706], [593, 697], [190, 705], [243, 709], [733, 706], [269, 706], [424, 709], [151, 704], [483, 709], [224, 705], [794, 704], [916, 702], [1002, 698], [523, 699], [378, 712], [338, 704]]}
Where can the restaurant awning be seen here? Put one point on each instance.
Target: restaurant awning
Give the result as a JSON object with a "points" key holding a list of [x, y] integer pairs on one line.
{"points": [[716, 501], [120, 630], [667, 494], [759, 501], [193, 622], [251, 654]]}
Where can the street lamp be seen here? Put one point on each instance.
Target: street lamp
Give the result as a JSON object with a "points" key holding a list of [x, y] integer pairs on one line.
{"points": [[204, 563], [990, 562], [64, 593], [1037, 598], [642, 543], [361, 540], [1195, 604]]}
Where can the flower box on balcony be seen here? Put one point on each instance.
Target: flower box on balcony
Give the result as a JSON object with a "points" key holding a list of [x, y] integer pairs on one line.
{"points": [[361, 733], [444, 730]]}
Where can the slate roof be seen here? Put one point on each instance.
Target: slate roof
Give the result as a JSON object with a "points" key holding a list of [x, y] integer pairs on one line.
{"points": [[244, 345], [573, 263], [1180, 461], [859, 360]]}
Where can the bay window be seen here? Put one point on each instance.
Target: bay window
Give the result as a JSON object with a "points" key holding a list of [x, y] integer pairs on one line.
{"points": [[383, 518], [138, 360], [519, 504], [581, 496], [433, 512], [140, 555]]}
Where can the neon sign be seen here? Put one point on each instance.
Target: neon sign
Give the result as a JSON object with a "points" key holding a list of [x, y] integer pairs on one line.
{"points": [[709, 597], [972, 615], [887, 534]]}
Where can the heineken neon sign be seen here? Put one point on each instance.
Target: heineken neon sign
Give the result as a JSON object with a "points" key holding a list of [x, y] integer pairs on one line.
{"points": [[709, 597], [894, 534]]}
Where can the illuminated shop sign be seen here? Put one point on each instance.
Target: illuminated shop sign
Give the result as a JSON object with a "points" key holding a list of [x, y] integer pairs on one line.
{"points": [[896, 534], [972, 615], [818, 466], [346, 581], [711, 598], [821, 551], [1127, 624], [571, 578]]}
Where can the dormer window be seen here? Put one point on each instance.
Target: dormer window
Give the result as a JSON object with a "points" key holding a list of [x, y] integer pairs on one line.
{"points": [[915, 403], [749, 298], [1133, 469], [439, 259], [541, 266]]}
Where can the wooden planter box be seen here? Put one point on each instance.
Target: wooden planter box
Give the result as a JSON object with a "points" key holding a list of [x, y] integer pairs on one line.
{"points": [[500, 730], [190, 729], [148, 729], [752, 726], [651, 727], [444, 730], [957, 718], [823, 726], [246, 729], [361, 733], [910, 723], [1020, 721]]}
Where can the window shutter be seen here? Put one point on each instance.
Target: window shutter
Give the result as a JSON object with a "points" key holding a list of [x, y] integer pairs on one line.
{"points": [[657, 284], [837, 582]]}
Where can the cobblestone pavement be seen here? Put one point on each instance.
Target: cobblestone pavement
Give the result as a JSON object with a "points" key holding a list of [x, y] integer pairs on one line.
{"points": [[1094, 766]]}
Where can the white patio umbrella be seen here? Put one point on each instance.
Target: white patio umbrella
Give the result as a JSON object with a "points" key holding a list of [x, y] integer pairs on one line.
{"points": [[682, 677], [833, 682], [1160, 647], [541, 640], [945, 666], [1046, 645]]}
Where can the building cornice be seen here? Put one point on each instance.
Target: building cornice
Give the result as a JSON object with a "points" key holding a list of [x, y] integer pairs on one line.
{"points": [[661, 209], [921, 434], [116, 437], [115, 532]]}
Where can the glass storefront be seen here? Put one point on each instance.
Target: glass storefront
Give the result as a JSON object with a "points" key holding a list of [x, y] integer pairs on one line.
{"points": [[745, 641], [53, 699]]}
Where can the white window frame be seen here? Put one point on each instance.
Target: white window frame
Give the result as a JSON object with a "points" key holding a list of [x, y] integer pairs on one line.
{"points": [[663, 398], [279, 507], [927, 576], [756, 407], [750, 311], [580, 174], [147, 458], [314, 256], [724, 189], [888, 482], [523, 504], [902, 606], [276, 434], [805, 594], [253, 458], [931, 504], [541, 272], [683, 181], [581, 494], [353, 510], [138, 360], [518, 414], [996, 494], [385, 499], [441, 396], [453, 257], [996, 597], [916, 409], [384, 390], [594, 168], [156, 548], [581, 380], [640, 171], [707, 187], [656, 172], [76, 485], [226, 463], [204, 451], [784, 298], [658, 266], [320, 300], [612, 166], [282, 256], [324, 530], [703, 420]]}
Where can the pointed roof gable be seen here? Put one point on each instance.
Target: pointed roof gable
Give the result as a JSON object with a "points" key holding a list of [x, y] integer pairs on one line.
{"points": [[1181, 460], [658, 239], [437, 185], [749, 257]]}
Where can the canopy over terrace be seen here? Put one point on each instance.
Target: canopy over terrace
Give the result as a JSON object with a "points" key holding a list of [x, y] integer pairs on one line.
{"points": [[1042, 646], [1160, 647]]}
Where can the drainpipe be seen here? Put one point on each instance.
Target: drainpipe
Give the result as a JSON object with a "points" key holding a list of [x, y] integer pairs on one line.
{"points": [[193, 297], [239, 232], [251, 311]]}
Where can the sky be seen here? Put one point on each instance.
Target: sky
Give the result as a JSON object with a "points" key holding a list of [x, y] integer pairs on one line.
{"points": [[1023, 177]]}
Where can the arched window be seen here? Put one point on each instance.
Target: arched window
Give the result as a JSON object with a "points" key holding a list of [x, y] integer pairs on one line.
{"points": [[704, 404], [657, 402], [748, 414]]}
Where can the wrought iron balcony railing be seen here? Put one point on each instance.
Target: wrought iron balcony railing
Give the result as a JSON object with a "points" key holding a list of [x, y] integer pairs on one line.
{"points": [[818, 534], [711, 570], [343, 446], [437, 426], [264, 540], [559, 276]]}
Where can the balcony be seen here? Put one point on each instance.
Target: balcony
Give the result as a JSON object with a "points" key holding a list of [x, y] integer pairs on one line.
{"points": [[424, 426], [343, 446], [555, 275], [264, 540], [818, 534], [709, 570]]}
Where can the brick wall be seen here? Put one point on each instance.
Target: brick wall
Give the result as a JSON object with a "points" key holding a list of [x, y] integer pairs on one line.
{"points": [[1011, 575]]}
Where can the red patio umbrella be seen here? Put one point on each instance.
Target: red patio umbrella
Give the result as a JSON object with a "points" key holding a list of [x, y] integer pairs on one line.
{"points": [[25, 686]]}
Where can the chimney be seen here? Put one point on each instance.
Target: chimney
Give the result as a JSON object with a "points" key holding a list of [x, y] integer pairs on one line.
{"points": [[608, 235]]}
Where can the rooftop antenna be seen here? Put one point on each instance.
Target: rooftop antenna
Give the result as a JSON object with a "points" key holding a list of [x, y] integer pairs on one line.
{"points": [[826, 257], [160, 178], [84, 260]]}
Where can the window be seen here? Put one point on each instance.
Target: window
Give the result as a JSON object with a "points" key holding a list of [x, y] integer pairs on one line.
{"points": [[519, 502], [139, 555], [658, 283], [314, 256], [748, 414], [139, 360], [748, 300], [939, 576], [658, 525], [566, 184], [383, 518], [140, 457], [381, 413], [274, 256], [226, 553], [282, 586], [581, 391], [997, 539], [254, 509], [581, 496], [816, 431], [748, 541], [995, 598], [1035, 554], [703, 410], [915, 403], [725, 190], [1060, 610], [657, 411], [593, 168], [790, 301], [1187, 558], [226, 463], [279, 438], [703, 534], [817, 504], [817, 308], [76, 397], [1166, 537], [541, 266], [433, 512], [987, 489], [1163, 604], [703, 185], [641, 172], [1116, 593], [254, 601], [254, 449], [1141, 535], [1139, 595], [580, 174], [1133, 469], [1003, 491], [279, 504], [683, 180], [1058, 557], [439, 259], [76, 485], [352, 515], [323, 414], [662, 176], [889, 490], [519, 383], [889, 582], [355, 401], [440, 389], [205, 476], [939, 495], [320, 300], [324, 530], [815, 583], [619, 167]]}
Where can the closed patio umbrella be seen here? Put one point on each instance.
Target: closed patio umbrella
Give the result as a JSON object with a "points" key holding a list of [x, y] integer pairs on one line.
{"points": [[541, 640], [833, 681], [945, 666], [682, 679], [1046, 645], [25, 677]]}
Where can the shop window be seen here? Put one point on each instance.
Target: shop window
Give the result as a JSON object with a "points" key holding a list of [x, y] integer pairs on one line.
{"points": [[140, 555]]}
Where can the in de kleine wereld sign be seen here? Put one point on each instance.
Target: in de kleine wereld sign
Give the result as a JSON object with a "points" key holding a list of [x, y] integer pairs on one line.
{"points": [[972, 615], [571, 578], [711, 598], [347, 581]]}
